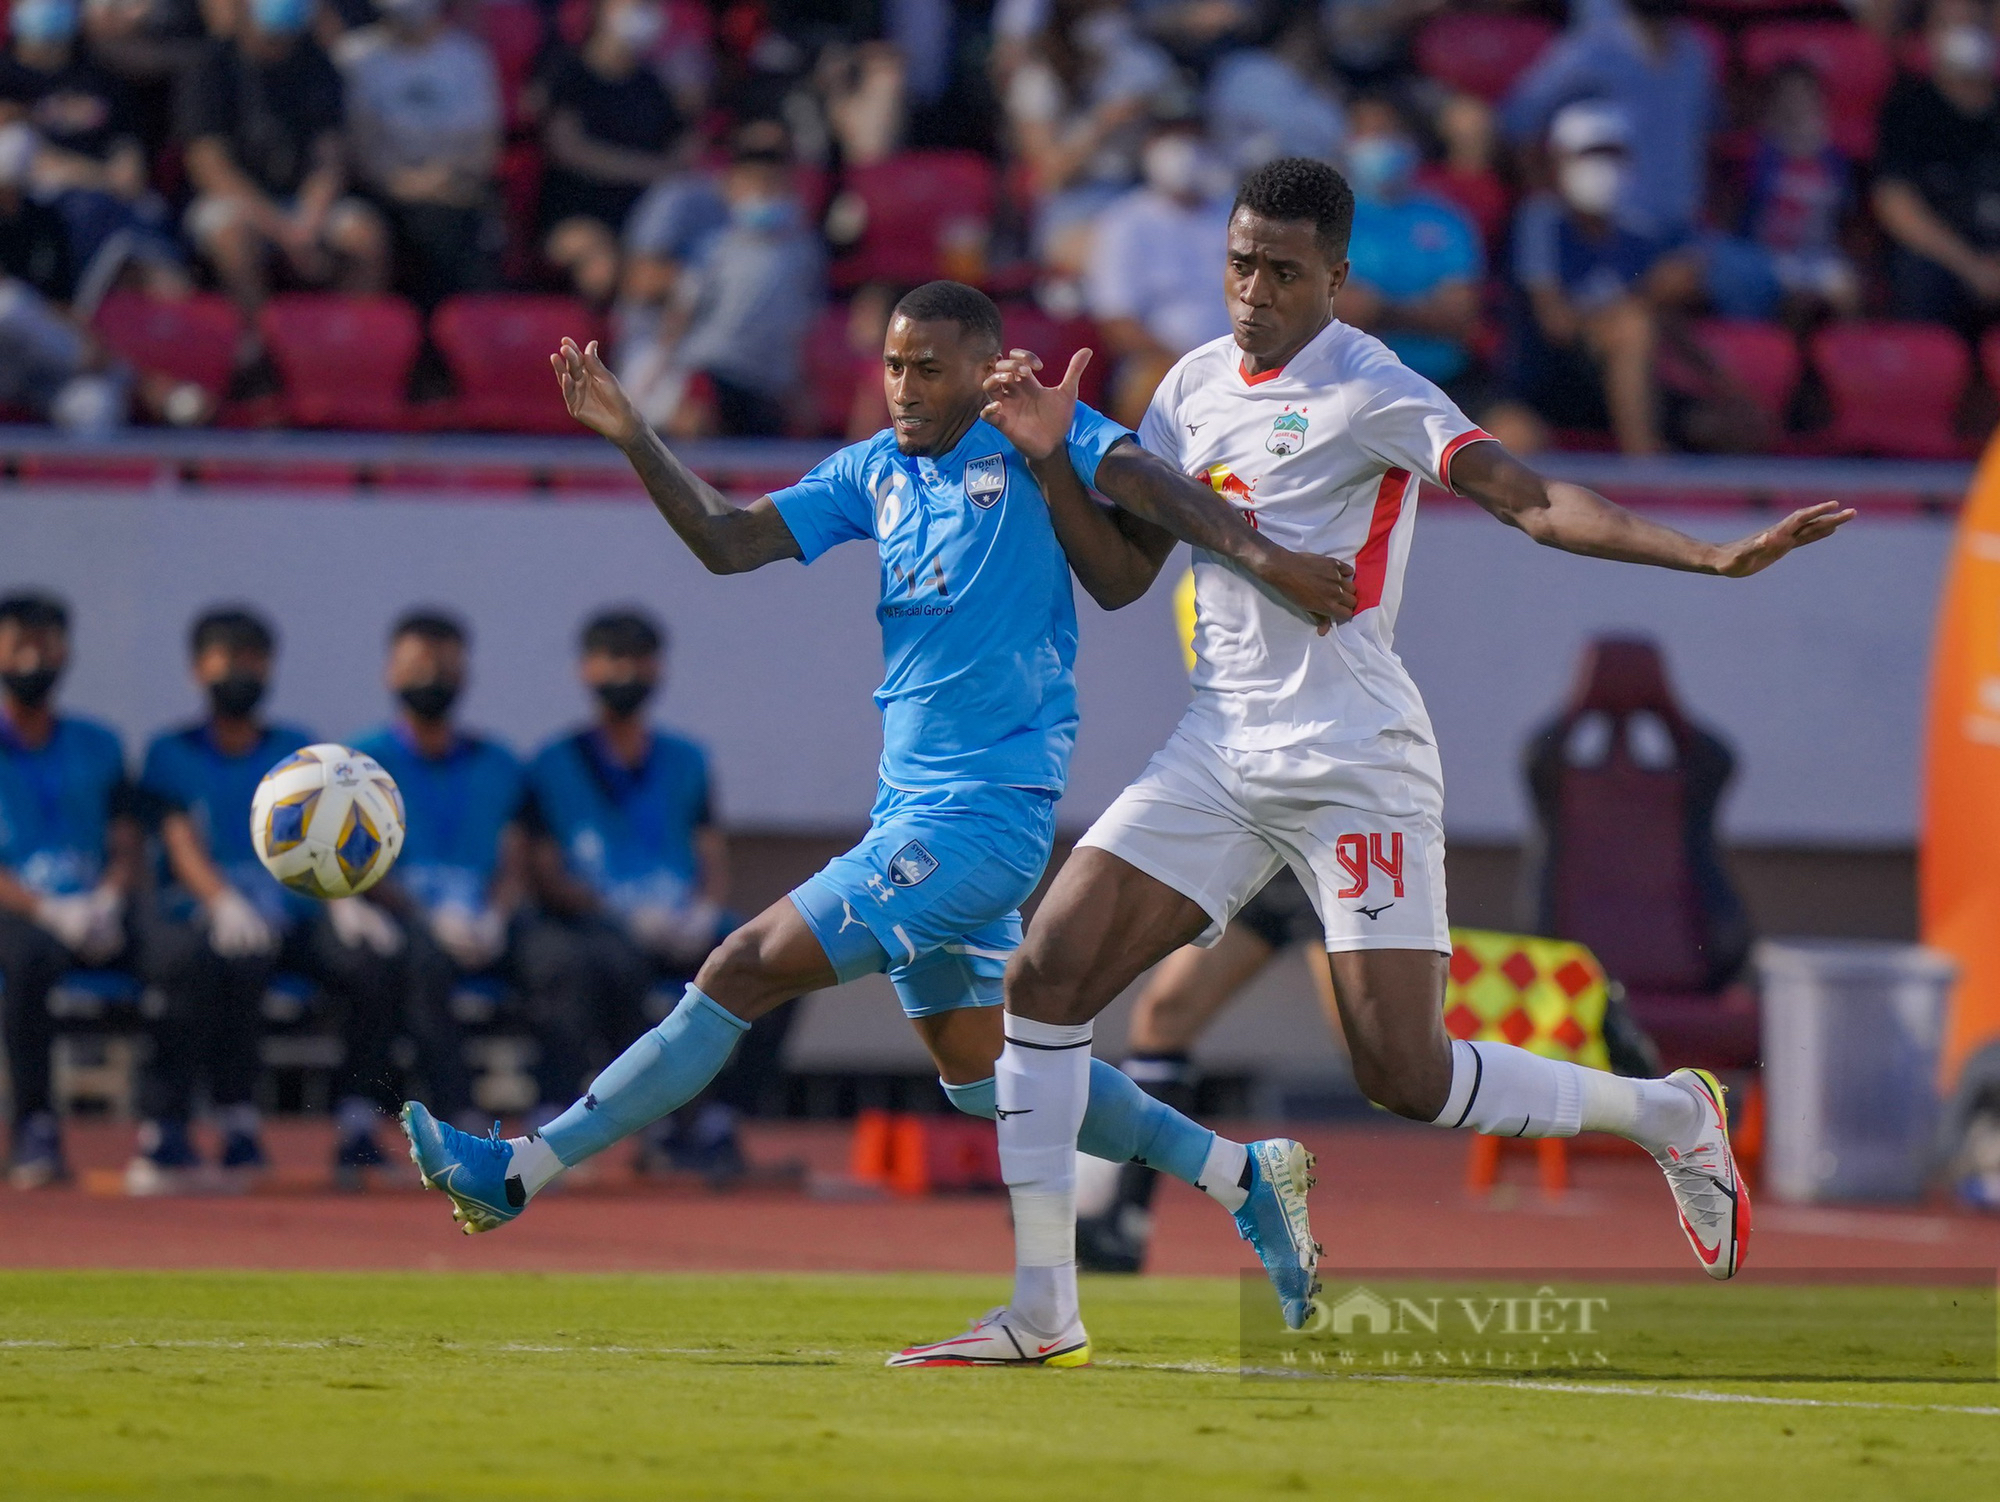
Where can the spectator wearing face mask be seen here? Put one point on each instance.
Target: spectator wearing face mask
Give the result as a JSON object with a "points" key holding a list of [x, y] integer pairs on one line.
{"points": [[423, 126], [69, 855], [631, 868], [1937, 174], [1414, 262], [89, 165], [1151, 283], [261, 114], [733, 307], [1583, 350], [1644, 55], [462, 877]]}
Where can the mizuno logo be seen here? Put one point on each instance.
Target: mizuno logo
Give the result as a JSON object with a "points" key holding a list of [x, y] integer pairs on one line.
{"points": [[1372, 913], [1002, 1115], [1196, 427]]}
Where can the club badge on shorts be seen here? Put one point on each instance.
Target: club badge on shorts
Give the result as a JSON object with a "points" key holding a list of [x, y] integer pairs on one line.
{"points": [[1288, 433], [986, 480], [911, 864]]}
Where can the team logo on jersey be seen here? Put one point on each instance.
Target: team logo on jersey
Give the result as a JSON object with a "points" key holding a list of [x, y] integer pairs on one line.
{"points": [[1288, 433], [986, 480], [911, 864], [1224, 482]]}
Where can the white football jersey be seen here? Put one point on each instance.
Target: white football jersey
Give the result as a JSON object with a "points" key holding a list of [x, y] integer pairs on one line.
{"points": [[1323, 456]]}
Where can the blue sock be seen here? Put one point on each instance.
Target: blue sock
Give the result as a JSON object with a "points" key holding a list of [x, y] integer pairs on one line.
{"points": [[1121, 1122], [665, 1069]]}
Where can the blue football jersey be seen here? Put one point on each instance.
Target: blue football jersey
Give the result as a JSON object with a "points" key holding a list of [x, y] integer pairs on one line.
{"points": [[456, 807], [628, 833], [186, 772], [978, 620], [55, 803]]}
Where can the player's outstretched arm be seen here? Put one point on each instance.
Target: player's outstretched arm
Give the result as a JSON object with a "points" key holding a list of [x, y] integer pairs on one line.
{"points": [[1036, 419], [726, 538], [1560, 515]]}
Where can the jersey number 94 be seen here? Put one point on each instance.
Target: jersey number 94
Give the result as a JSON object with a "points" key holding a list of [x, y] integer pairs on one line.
{"points": [[327, 821]]}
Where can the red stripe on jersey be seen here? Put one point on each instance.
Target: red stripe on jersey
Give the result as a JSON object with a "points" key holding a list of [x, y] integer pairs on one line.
{"points": [[1258, 380], [1371, 564], [1451, 449]]}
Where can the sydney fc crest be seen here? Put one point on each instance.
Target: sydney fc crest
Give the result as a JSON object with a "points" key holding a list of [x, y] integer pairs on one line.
{"points": [[1288, 433], [986, 480], [911, 864]]}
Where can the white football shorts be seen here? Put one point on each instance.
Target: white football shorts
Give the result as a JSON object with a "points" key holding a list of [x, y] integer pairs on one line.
{"points": [[1361, 824]]}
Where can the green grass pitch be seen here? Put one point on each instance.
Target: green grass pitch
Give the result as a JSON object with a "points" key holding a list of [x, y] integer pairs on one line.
{"points": [[223, 1386]]}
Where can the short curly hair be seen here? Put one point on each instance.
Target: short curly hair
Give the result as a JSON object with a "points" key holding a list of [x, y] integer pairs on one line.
{"points": [[1298, 187]]}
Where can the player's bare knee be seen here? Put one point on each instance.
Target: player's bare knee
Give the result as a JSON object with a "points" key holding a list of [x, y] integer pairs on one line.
{"points": [[1401, 1086], [735, 974], [1040, 986]]}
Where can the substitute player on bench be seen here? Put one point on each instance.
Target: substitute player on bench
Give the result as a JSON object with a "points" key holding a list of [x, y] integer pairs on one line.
{"points": [[1307, 750]]}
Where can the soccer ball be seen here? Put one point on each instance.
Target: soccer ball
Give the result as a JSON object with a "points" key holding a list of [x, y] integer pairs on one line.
{"points": [[327, 821]]}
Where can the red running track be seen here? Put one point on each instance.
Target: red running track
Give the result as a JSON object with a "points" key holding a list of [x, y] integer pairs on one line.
{"points": [[1388, 1197]]}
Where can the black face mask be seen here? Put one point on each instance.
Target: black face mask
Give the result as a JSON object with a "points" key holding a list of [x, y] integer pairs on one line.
{"points": [[623, 696], [430, 701], [234, 697], [31, 690]]}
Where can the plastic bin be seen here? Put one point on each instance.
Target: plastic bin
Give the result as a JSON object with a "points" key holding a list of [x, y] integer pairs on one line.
{"points": [[1851, 1037]]}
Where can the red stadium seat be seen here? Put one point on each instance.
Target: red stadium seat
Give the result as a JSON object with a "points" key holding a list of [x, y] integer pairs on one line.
{"points": [[1762, 358], [1025, 326], [927, 214], [1895, 388], [1481, 54], [833, 368], [498, 346], [1854, 66], [187, 339], [345, 361], [515, 31], [1989, 358]]}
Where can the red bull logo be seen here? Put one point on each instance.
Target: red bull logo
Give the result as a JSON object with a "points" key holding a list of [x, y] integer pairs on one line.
{"points": [[1238, 492]]}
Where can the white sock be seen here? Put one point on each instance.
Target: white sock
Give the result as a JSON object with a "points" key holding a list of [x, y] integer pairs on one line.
{"points": [[1223, 1173], [1041, 1085], [1506, 1091], [534, 1162], [1653, 1113]]}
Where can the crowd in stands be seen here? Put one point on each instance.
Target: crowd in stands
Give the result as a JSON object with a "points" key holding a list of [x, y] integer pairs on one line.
{"points": [[572, 890], [1719, 225]]}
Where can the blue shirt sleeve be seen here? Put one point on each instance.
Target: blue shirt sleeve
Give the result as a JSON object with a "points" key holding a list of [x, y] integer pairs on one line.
{"points": [[1460, 258], [830, 505], [1092, 435], [1537, 262]]}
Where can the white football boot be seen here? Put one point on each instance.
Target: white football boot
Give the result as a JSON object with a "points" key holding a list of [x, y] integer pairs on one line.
{"points": [[1714, 1201], [995, 1339]]}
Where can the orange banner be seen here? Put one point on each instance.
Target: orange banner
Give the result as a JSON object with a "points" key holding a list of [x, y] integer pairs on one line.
{"points": [[1959, 869]]}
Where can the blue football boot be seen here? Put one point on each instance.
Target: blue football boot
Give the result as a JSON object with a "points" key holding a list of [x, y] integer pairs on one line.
{"points": [[1273, 1220], [472, 1170]]}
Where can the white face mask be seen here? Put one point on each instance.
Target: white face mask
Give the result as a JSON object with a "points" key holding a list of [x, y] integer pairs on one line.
{"points": [[1966, 49], [639, 26], [1173, 165], [1591, 183]]}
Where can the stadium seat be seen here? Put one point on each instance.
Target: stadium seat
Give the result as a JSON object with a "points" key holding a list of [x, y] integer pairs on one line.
{"points": [[1480, 53], [187, 339], [514, 32], [1625, 789], [924, 214], [1761, 358], [833, 368], [1895, 388], [1025, 326], [345, 361], [497, 345], [1854, 65], [1989, 358]]}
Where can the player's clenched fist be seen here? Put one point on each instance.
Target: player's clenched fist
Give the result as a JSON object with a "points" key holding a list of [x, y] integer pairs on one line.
{"points": [[1320, 586], [593, 395]]}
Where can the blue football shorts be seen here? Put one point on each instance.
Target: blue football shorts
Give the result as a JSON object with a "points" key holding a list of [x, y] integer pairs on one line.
{"points": [[933, 894]]}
